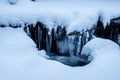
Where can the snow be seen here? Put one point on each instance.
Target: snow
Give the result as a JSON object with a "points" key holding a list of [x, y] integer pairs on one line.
{"points": [[43, 53], [6, 43], [99, 47], [20, 60], [70, 14]]}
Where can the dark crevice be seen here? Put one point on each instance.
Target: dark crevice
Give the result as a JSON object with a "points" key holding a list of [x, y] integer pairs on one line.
{"points": [[57, 43], [111, 31]]}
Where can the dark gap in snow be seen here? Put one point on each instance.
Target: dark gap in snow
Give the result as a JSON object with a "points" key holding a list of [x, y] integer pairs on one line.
{"points": [[59, 45], [111, 31], [2, 25], [66, 48], [12, 2], [33, 0]]}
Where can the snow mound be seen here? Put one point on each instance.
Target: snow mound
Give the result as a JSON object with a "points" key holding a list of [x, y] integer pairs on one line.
{"points": [[19, 60], [12, 44], [99, 46]]}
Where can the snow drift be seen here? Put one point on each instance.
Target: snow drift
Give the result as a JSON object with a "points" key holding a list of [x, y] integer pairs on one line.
{"points": [[20, 60]]}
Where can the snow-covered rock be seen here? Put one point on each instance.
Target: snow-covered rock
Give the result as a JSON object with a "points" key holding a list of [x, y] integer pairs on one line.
{"points": [[98, 46]]}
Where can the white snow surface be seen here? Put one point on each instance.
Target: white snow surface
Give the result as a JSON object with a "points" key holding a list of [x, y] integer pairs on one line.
{"points": [[100, 47], [75, 15], [20, 60]]}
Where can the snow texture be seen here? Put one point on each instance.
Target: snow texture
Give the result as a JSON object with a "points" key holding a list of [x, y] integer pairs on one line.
{"points": [[19, 60], [74, 15], [98, 46]]}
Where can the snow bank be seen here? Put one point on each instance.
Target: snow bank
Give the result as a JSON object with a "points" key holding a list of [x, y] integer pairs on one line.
{"points": [[18, 38], [98, 47], [76, 16], [19, 60]]}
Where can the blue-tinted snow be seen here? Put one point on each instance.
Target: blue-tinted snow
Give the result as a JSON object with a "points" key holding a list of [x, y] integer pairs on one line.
{"points": [[75, 15], [19, 60]]}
